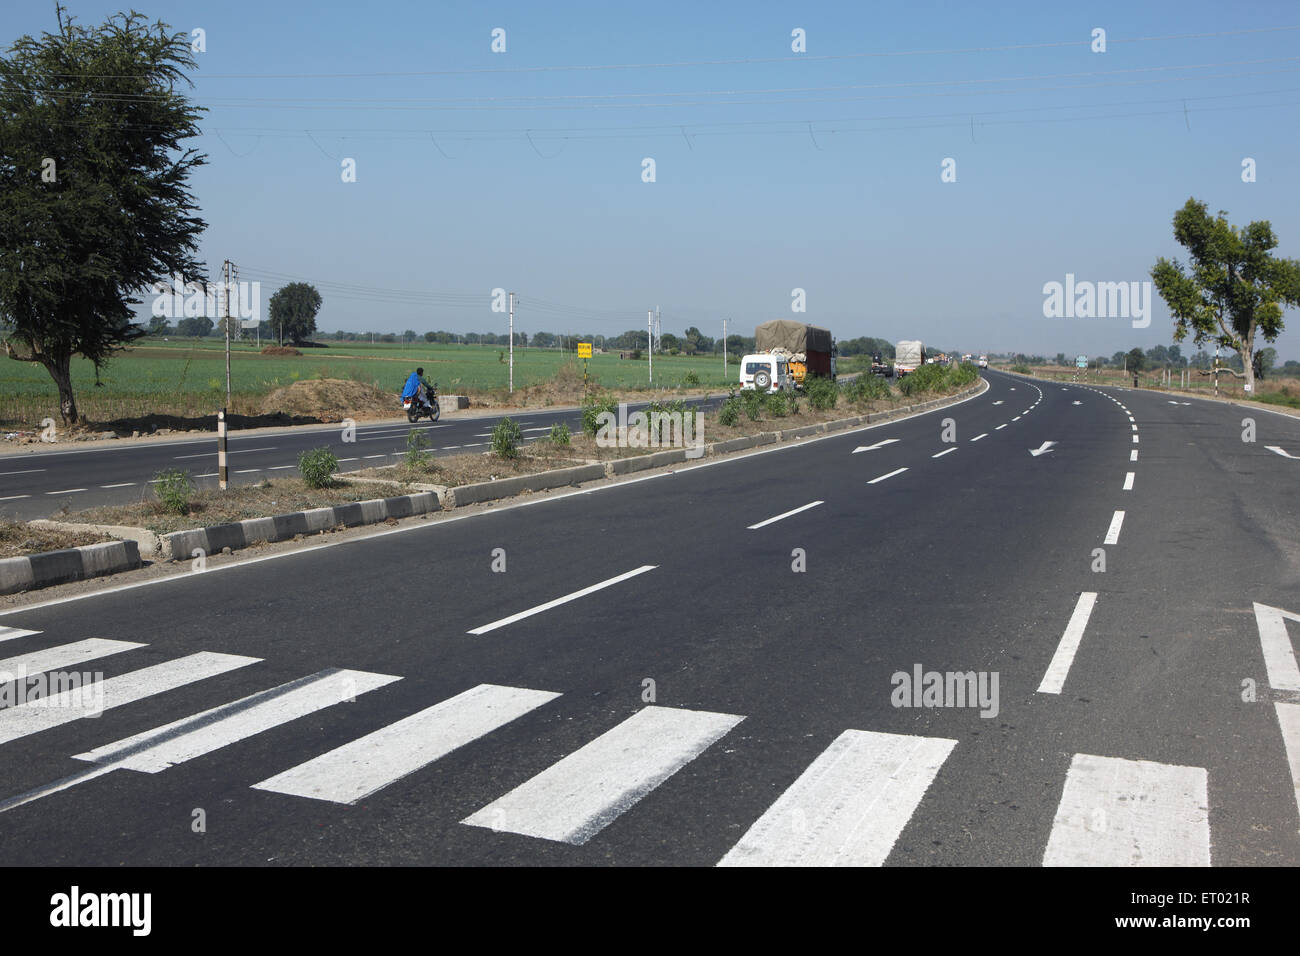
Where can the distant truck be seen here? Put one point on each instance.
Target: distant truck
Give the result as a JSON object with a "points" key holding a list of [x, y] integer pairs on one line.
{"points": [[809, 349], [909, 355], [879, 366]]}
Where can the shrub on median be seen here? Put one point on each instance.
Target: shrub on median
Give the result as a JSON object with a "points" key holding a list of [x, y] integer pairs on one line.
{"points": [[174, 489], [822, 392], [506, 439], [592, 408], [317, 467]]}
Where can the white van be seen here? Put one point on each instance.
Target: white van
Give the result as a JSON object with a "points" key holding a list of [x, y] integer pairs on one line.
{"points": [[766, 373]]}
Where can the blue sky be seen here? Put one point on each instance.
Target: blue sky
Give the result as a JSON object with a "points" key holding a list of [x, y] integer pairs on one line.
{"points": [[781, 171]]}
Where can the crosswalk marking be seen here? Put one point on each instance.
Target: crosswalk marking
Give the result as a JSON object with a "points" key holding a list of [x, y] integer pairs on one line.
{"points": [[65, 655], [849, 807], [1279, 659], [1288, 718], [10, 633], [1130, 813], [35, 716], [577, 797], [162, 747], [358, 769]]}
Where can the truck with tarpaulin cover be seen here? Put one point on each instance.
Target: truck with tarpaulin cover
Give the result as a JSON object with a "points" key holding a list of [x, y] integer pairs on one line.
{"points": [[810, 349]]}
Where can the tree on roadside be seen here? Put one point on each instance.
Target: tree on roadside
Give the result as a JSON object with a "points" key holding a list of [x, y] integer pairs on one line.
{"points": [[197, 326], [293, 311], [1135, 360], [94, 198], [1234, 289]]}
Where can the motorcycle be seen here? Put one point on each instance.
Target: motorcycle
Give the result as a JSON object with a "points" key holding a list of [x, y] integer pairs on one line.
{"points": [[423, 406]]}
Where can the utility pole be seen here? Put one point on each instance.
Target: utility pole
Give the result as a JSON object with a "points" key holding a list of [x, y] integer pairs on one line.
{"points": [[512, 343], [225, 321], [724, 350], [659, 331], [650, 334]]}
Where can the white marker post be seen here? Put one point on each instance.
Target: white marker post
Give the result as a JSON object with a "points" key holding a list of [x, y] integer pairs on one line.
{"points": [[221, 449]]}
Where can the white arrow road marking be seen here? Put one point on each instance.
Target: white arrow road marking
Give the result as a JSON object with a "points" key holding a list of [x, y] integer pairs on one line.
{"points": [[1054, 679], [563, 600], [1078, 403], [1281, 451], [1130, 813], [879, 444], [998, 402], [768, 521], [1042, 449]]}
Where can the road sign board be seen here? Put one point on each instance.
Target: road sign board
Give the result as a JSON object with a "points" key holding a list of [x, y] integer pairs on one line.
{"points": [[584, 350], [1081, 362]]}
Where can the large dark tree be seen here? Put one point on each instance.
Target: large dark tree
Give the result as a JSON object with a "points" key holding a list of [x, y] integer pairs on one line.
{"points": [[94, 204], [1233, 290], [293, 312]]}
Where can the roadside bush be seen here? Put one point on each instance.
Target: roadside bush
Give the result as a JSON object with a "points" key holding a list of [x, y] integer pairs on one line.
{"points": [[752, 401], [506, 438], [729, 413], [1022, 369], [559, 434], [174, 489], [655, 428], [963, 374], [317, 467], [690, 378], [777, 405], [866, 388], [592, 407], [927, 378], [822, 392], [417, 443]]}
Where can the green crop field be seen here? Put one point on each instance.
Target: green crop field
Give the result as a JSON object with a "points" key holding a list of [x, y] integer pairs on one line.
{"points": [[188, 376]]}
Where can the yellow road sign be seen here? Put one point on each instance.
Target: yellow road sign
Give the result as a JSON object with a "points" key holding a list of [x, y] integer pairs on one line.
{"points": [[584, 350]]}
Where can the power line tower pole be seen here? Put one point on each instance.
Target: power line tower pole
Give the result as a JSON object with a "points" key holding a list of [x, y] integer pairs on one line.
{"points": [[512, 343]]}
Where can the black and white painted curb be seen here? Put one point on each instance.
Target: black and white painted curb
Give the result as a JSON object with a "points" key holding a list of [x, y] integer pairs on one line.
{"points": [[182, 545], [71, 564]]}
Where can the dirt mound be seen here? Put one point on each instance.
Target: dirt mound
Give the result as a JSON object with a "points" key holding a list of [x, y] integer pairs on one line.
{"points": [[279, 350], [157, 424], [332, 400]]}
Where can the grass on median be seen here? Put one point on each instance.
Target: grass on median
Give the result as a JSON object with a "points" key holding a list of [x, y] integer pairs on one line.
{"points": [[18, 539]]}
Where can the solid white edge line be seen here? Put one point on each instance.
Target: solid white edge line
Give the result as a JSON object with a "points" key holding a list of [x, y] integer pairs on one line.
{"points": [[499, 509], [763, 524], [573, 596], [1059, 668], [1112, 533]]}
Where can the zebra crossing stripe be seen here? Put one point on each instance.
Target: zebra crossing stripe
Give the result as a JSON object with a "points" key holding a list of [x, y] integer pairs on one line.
{"points": [[44, 713], [1130, 813], [181, 740], [370, 763], [574, 799], [65, 655], [849, 807], [1288, 718], [10, 633]]}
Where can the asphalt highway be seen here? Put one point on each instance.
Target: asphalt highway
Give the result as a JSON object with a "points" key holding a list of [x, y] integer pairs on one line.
{"points": [[39, 482], [724, 663]]}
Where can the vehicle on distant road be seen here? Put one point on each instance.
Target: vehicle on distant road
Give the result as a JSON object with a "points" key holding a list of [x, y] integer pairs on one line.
{"points": [[807, 349], [879, 366], [765, 372], [909, 355], [422, 405], [984, 361]]}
